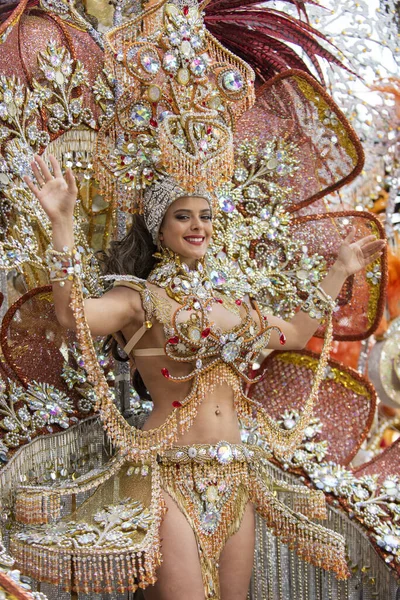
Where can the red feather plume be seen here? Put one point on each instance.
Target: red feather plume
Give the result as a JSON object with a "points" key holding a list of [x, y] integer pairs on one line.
{"points": [[264, 36]]}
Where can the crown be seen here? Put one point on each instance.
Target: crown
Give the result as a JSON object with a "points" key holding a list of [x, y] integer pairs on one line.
{"points": [[180, 94]]}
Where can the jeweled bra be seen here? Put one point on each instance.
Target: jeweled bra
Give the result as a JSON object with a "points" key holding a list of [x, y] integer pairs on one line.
{"points": [[219, 357]]}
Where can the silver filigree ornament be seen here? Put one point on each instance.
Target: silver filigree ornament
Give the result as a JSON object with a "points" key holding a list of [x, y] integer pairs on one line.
{"points": [[375, 504], [116, 526], [43, 405], [65, 76], [21, 137], [75, 375], [253, 250]]}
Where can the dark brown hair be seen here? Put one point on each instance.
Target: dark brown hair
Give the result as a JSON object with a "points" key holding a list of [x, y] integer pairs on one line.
{"points": [[132, 255]]}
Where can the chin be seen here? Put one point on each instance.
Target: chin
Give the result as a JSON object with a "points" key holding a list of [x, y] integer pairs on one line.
{"points": [[194, 253]]}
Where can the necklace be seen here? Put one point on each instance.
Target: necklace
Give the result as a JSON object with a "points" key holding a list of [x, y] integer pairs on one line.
{"points": [[178, 280]]}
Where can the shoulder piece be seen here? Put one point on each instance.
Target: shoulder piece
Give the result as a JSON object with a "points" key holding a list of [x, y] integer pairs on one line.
{"points": [[134, 285], [130, 281], [162, 308]]}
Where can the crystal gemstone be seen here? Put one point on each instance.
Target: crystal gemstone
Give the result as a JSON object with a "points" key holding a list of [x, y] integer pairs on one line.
{"points": [[229, 352], [140, 115], [224, 453], [198, 66], [170, 62], [209, 520], [150, 62], [232, 81], [226, 204]]}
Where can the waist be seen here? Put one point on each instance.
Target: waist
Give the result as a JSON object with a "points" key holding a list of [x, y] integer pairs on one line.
{"points": [[223, 453]]}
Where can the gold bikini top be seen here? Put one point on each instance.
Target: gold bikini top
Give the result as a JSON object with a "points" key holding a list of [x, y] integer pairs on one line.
{"points": [[198, 340]]}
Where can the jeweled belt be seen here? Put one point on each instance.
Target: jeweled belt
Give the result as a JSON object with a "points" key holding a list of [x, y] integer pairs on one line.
{"points": [[223, 453]]}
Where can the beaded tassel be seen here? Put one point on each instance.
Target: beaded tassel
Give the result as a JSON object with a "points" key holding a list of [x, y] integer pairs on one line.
{"points": [[284, 442]]}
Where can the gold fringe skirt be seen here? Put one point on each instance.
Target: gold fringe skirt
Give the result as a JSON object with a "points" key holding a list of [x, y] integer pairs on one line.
{"points": [[111, 542]]}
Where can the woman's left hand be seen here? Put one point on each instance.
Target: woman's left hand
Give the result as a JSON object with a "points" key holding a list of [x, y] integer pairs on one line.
{"points": [[354, 256]]}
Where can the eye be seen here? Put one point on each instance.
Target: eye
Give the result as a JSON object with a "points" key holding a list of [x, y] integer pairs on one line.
{"points": [[182, 217], [207, 217]]}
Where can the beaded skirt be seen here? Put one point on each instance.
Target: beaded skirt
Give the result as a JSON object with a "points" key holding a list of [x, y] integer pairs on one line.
{"points": [[111, 541]]}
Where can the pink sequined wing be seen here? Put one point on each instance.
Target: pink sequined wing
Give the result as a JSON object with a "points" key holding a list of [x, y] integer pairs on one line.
{"points": [[362, 299], [346, 400], [294, 107]]}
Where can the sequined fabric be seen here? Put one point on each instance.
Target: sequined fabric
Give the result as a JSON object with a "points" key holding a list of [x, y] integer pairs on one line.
{"points": [[346, 402]]}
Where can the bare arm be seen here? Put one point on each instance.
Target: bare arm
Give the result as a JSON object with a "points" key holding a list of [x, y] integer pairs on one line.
{"points": [[57, 196], [352, 257]]}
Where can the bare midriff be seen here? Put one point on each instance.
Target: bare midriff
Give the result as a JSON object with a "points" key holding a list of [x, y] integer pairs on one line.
{"points": [[216, 418]]}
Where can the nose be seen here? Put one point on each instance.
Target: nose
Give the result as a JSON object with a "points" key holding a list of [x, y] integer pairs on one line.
{"points": [[196, 224]]}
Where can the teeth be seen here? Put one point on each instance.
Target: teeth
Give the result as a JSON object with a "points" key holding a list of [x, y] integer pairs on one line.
{"points": [[194, 239]]}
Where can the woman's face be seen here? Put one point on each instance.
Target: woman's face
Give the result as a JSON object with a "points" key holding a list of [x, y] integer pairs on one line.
{"points": [[186, 228]]}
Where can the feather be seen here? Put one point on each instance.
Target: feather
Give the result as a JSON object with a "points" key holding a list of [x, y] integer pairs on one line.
{"points": [[263, 36]]}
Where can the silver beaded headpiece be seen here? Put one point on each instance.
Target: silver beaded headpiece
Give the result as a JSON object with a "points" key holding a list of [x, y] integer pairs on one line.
{"points": [[159, 196]]}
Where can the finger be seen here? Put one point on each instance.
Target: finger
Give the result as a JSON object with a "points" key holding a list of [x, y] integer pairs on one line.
{"points": [[350, 236], [34, 189], [44, 168], [56, 166], [70, 179], [373, 247], [38, 175], [373, 258], [367, 239]]}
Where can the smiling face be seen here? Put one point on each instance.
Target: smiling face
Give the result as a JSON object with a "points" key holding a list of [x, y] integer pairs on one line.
{"points": [[187, 227]]}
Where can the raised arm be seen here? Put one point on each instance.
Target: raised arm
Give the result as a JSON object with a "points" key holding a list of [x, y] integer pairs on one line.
{"points": [[57, 195], [352, 257]]}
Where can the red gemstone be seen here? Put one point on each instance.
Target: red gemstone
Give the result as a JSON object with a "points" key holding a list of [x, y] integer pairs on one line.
{"points": [[153, 122], [282, 339], [174, 340], [206, 332], [165, 372], [176, 404], [219, 300], [238, 302], [186, 10], [209, 130]]}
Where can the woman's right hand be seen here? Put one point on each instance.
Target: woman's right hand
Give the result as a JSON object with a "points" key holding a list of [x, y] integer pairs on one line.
{"points": [[57, 194]]}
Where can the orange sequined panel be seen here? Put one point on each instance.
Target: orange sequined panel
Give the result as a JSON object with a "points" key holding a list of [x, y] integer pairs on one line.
{"points": [[345, 405]]}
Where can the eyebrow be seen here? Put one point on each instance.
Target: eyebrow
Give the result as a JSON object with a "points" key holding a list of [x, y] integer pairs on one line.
{"points": [[187, 210]]}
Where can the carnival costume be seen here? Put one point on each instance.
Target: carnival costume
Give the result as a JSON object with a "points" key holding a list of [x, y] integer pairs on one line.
{"points": [[187, 122]]}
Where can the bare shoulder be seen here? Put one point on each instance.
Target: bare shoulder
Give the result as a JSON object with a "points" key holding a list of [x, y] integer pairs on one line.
{"points": [[128, 297]]}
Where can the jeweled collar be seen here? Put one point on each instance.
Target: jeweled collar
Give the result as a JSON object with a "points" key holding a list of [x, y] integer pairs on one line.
{"points": [[178, 280]]}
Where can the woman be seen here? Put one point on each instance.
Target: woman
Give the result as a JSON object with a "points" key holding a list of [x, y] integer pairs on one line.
{"points": [[183, 234]]}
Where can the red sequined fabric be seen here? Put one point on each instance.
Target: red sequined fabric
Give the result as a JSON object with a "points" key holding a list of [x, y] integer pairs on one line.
{"points": [[31, 339], [386, 463], [345, 406], [32, 30]]}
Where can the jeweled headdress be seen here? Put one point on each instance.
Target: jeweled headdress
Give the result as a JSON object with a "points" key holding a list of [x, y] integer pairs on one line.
{"points": [[180, 94]]}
